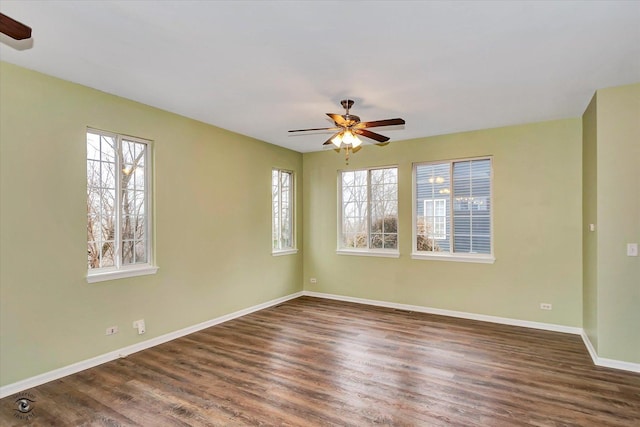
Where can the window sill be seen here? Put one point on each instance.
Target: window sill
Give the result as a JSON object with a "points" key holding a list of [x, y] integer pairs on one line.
{"points": [[480, 259], [120, 274], [381, 253], [284, 252]]}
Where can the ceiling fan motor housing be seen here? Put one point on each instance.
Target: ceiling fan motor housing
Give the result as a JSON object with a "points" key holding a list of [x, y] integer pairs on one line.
{"points": [[350, 120]]}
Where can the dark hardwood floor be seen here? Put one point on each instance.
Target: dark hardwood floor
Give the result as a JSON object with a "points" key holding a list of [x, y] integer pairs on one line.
{"points": [[316, 362]]}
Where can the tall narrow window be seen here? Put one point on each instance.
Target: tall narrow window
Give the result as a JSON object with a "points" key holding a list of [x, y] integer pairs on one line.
{"points": [[118, 206], [369, 211], [282, 225], [452, 214]]}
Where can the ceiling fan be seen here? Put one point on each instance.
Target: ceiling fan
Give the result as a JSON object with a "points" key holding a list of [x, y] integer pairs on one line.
{"points": [[348, 128], [14, 29]]}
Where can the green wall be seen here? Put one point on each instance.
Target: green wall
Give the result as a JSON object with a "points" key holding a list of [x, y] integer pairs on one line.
{"points": [[213, 231], [537, 227], [590, 216], [616, 175], [212, 222]]}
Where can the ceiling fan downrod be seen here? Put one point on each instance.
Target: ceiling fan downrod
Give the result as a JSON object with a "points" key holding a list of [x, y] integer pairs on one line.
{"points": [[347, 104]]}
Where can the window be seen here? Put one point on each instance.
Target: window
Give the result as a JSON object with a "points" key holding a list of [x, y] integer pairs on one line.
{"points": [[452, 210], [118, 206], [369, 212], [282, 226]]}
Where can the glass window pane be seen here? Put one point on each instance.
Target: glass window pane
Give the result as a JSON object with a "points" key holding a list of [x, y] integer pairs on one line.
{"points": [[472, 210], [282, 209], [462, 243], [107, 255], [376, 241], [141, 253], [128, 248], [347, 179], [369, 207], [433, 190], [115, 162], [128, 152], [391, 241], [376, 224], [461, 171], [108, 149], [481, 225], [93, 146], [107, 175], [390, 224], [462, 225], [481, 244]]}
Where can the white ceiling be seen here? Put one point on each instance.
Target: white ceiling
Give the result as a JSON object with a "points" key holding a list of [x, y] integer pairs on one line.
{"points": [[260, 68]]}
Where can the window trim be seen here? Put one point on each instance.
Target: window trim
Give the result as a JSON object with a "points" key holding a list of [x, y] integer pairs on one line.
{"points": [[372, 252], [130, 270], [383, 253], [123, 273], [294, 248], [450, 256]]}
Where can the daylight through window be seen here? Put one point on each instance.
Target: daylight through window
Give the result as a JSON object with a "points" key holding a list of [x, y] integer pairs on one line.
{"points": [[118, 201], [453, 208], [369, 210], [282, 228]]}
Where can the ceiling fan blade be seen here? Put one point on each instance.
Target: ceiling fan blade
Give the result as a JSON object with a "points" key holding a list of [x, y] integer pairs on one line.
{"points": [[304, 130], [14, 29], [338, 119], [376, 123], [328, 141], [372, 135]]}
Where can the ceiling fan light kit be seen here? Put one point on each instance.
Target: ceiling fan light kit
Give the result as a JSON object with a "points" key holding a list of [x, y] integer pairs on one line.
{"points": [[347, 138], [348, 128]]}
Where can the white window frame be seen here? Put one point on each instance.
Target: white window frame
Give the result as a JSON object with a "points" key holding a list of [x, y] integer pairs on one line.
{"points": [[368, 251], [277, 250], [450, 256], [120, 271]]}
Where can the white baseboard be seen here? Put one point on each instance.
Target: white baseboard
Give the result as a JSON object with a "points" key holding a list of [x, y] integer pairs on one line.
{"points": [[598, 361], [607, 363], [37, 380], [451, 313]]}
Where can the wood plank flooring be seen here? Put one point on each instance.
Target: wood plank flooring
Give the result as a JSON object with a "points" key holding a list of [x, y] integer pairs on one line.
{"points": [[316, 362]]}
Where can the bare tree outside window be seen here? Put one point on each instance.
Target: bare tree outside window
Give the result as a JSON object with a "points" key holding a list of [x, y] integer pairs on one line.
{"points": [[282, 234], [117, 227], [369, 209]]}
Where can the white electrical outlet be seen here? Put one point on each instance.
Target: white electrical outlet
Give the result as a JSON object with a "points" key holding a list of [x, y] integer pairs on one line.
{"points": [[140, 326], [112, 330], [545, 306], [313, 280]]}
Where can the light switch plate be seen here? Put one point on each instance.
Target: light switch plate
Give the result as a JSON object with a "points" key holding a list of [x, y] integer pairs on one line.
{"points": [[632, 249]]}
